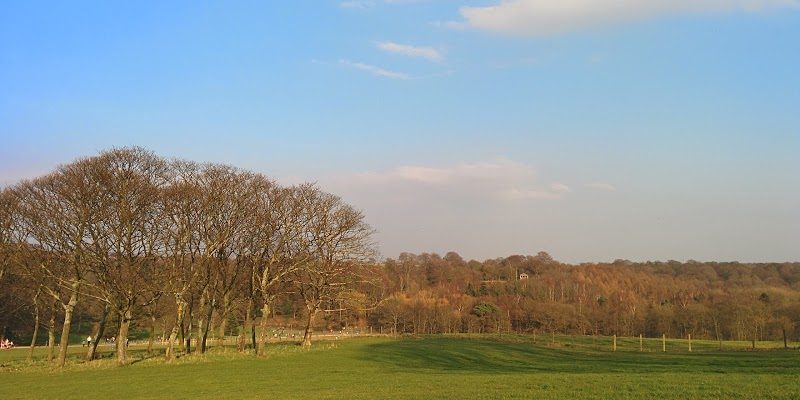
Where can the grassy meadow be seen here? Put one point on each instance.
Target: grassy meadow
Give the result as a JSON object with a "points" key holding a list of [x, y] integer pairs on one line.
{"points": [[445, 367]]}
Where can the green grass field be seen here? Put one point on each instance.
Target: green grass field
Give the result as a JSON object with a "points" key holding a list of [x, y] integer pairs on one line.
{"points": [[446, 367]]}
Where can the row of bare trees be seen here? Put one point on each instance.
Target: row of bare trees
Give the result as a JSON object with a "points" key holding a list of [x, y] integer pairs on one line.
{"points": [[126, 232]]}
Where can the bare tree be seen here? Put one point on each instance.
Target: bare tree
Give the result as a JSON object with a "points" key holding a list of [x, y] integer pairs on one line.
{"points": [[227, 199], [7, 249], [182, 215], [276, 245], [7, 205], [126, 240], [340, 246], [56, 213]]}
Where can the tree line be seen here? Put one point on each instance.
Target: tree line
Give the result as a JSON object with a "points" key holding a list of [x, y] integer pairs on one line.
{"points": [[131, 236], [712, 300], [137, 245]]}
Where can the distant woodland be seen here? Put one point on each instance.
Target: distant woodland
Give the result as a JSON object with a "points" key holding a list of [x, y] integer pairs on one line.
{"points": [[137, 246]]}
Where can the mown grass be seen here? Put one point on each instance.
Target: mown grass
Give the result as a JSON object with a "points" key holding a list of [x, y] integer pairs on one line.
{"points": [[448, 367]]}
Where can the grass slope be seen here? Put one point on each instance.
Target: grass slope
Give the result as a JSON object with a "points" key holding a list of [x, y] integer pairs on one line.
{"points": [[455, 367]]}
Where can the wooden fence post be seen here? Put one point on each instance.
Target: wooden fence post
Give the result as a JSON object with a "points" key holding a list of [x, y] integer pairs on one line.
{"points": [[614, 346], [664, 343], [690, 342]]}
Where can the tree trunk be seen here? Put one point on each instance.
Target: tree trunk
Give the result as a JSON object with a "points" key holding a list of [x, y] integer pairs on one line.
{"points": [[309, 322], [170, 351], [35, 332], [201, 324], [122, 338], [207, 325], [101, 331], [187, 340], [247, 322], [51, 335], [223, 326], [240, 340], [262, 335], [785, 342], [253, 334], [152, 333], [183, 336], [68, 309], [35, 325], [223, 316]]}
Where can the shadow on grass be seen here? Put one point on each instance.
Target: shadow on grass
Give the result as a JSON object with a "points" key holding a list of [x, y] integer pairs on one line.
{"points": [[448, 354], [143, 356]]}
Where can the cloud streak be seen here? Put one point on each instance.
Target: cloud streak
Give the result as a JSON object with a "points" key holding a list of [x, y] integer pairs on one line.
{"points": [[606, 187], [529, 194], [546, 17], [428, 53], [375, 70], [498, 180], [500, 170], [356, 4]]}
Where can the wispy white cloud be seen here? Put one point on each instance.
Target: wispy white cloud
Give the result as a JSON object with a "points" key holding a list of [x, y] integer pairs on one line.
{"points": [[601, 186], [428, 53], [529, 194], [357, 4], [555, 192], [499, 170], [501, 179], [544, 17], [375, 70]]}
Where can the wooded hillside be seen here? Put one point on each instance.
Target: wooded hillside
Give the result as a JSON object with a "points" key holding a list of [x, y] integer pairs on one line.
{"points": [[728, 300]]}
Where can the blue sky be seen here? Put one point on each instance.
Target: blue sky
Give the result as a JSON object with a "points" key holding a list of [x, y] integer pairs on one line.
{"points": [[594, 130]]}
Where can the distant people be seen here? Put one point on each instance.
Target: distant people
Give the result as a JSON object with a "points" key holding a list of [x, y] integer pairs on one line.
{"points": [[6, 344], [89, 341]]}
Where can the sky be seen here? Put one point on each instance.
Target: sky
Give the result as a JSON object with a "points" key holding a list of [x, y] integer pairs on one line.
{"points": [[591, 129]]}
